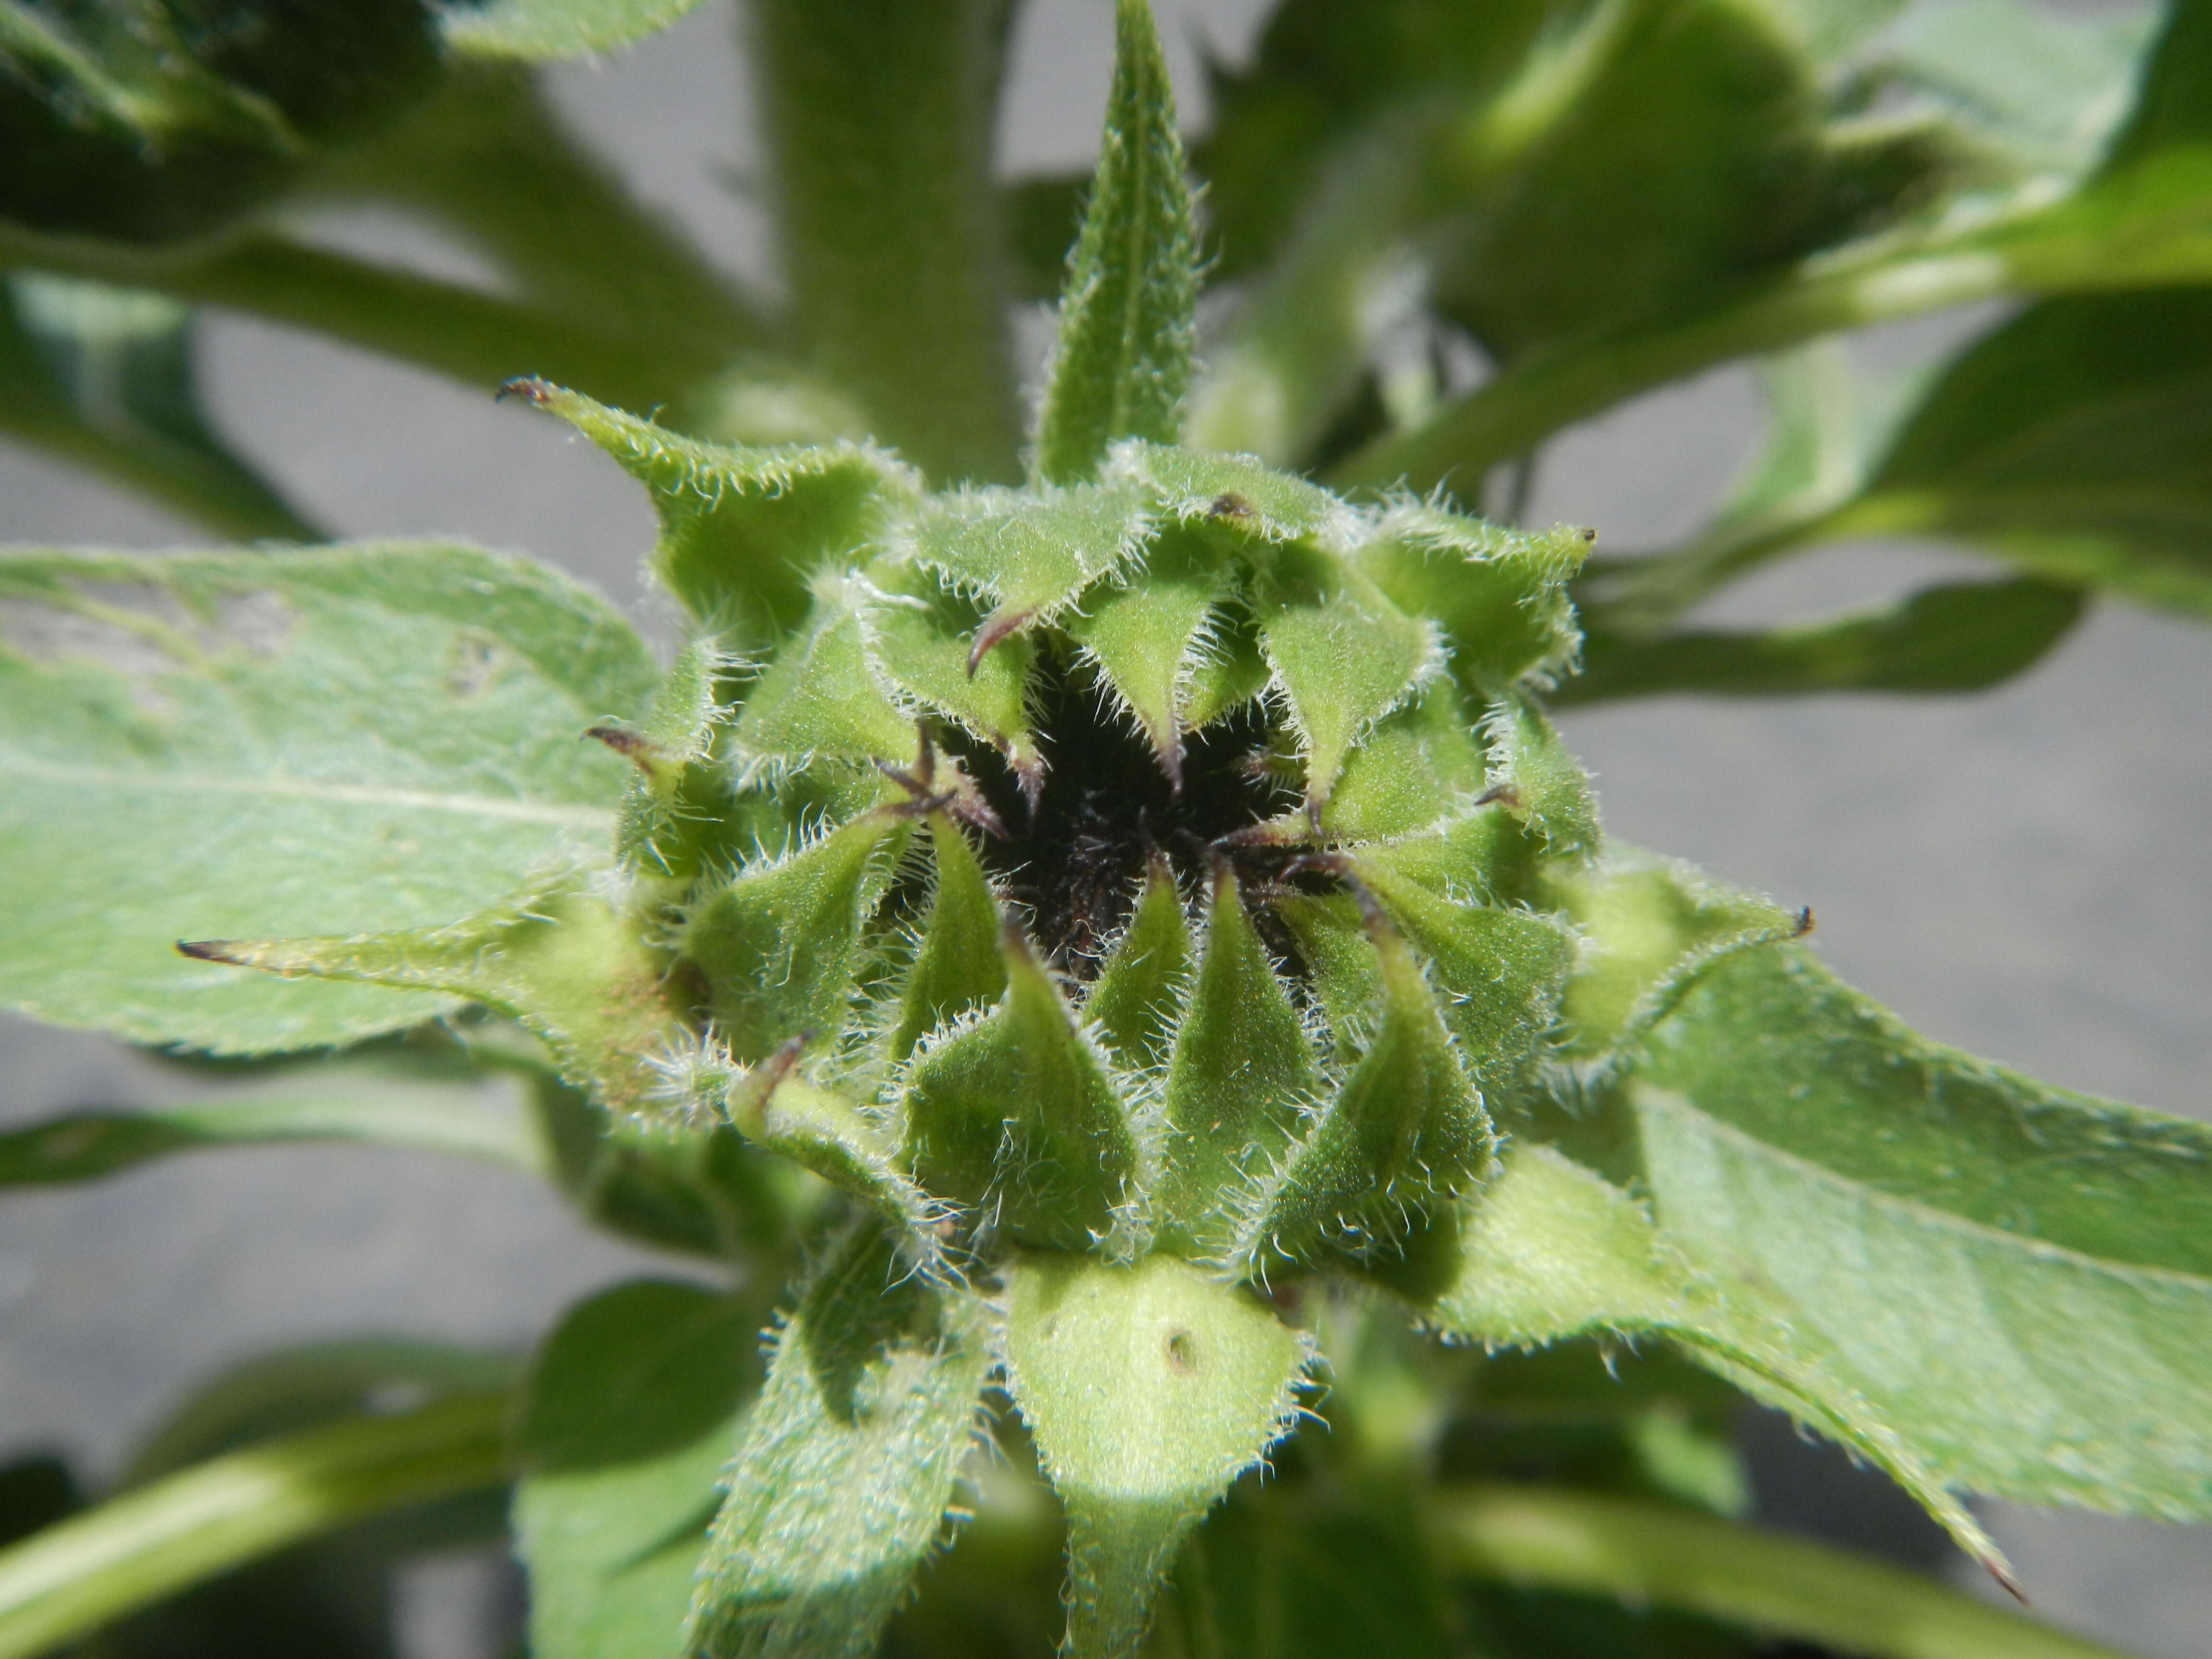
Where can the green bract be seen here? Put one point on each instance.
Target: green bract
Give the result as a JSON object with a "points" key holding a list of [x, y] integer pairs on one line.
{"points": [[1108, 954]]}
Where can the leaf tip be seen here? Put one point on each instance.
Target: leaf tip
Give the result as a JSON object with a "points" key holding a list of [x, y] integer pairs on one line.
{"points": [[228, 951]]}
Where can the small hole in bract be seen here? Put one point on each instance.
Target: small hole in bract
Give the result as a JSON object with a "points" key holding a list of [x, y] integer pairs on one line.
{"points": [[1182, 1351]]}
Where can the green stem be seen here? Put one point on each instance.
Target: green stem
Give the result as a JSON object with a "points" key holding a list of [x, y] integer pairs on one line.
{"points": [[2142, 229], [1650, 1554], [473, 337], [86, 1571], [879, 117]]}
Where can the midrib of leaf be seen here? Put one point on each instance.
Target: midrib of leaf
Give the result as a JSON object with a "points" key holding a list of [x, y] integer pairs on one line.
{"points": [[276, 785]]}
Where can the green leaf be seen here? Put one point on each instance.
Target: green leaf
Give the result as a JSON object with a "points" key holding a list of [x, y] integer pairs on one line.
{"points": [[1127, 313], [2045, 89], [957, 967], [1954, 1236], [152, 123], [1649, 927], [676, 814], [1499, 595], [105, 1562], [366, 1110], [642, 1370], [1282, 1572], [1406, 1130], [612, 1551], [1550, 1250], [741, 531], [572, 967], [1502, 971], [1342, 654], [1236, 493], [103, 377], [1956, 636], [2072, 441], [1016, 1116], [1538, 781], [846, 1143], [1148, 1389], [626, 1420], [777, 945], [1416, 767], [1240, 1082], [1030, 553], [539, 31], [917, 644], [824, 698], [256, 744], [1149, 640], [1133, 1002], [847, 1465]]}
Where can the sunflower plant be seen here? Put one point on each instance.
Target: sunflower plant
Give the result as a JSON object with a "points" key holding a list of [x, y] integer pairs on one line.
{"points": [[1092, 943]]}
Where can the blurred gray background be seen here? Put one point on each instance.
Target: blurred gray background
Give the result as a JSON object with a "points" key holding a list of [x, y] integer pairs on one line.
{"points": [[2026, 874]]}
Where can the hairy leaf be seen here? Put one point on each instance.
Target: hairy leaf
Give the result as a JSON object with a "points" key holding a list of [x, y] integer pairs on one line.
{"points": [[1406, 1130], [262, 744], [1954, 1235], [1240, 1077], [1415, 768], [1551, 1250], [1127, 314], [1018, 1116], [1133, 1000], [1151, 638], [564, 961], [1148, 1389], [1030, 553], [824, 697], [741, 529], [626, 1420], [1538, 781], [1342, 653], [957, 967], [1649, 927], [846, 1467], [777, 946], [1500, 595]]}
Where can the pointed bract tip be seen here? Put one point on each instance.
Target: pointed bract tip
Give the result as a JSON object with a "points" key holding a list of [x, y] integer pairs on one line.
{"points": [[995, 628], [748, 1096], [530, 387], [634, 746], [224, 951], [1170, 751]]}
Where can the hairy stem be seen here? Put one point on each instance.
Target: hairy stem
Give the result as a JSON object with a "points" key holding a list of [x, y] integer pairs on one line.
{"points": [[879, 117], [1658, 1555], [83, 1572]]}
